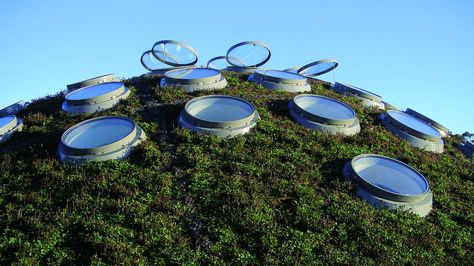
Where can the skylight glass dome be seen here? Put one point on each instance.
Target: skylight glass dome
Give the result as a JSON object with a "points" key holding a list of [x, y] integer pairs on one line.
{"points": [[415, 131], [8, 125], [155, 66], [444, 131], [218, 62], [167, 55], [95, 98], [219, 115], [194, 79], [467, 148], [100, 139], [280, 80], [317, 68], [368, 98], [324, 114], [390, 184], [246, 57], [92, 81]]}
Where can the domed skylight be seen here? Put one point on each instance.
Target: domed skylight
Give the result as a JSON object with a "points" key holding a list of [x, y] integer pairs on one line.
{"points": [[388, 183], [99, 139], [95, 98], [220, 115], [324, 114]]}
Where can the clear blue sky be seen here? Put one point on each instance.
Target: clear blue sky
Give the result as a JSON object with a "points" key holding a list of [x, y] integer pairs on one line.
{"points": [[417, 54]]}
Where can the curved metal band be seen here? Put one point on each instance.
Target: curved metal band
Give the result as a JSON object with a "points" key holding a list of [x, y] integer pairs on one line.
{"points": [[358, 91], [409, 129], [92, 81], [385, 193], [260, 74], [188, 47], [427, 120], [218, 124], [321, 119], [100, 98], [245, 43], [303, 68], [103, 148], [204, 80]]}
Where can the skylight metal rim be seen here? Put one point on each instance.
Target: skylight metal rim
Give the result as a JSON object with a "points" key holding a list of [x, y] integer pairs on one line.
{"points": [[258, 74], [385, 193], [92, 81], [320, 119], [190, 48], [102, 148], [153, 69], [359, 91], [205, 80], [331, 60], [98, 99], [215, 59], [409, 129], [427, 120], [250, 42], [10, 125], [218, 124]]}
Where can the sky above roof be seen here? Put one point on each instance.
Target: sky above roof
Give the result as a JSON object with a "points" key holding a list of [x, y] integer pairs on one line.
{"points": [[415, 54]]}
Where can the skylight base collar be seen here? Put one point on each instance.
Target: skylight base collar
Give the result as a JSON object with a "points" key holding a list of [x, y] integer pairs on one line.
{"points": [[280, 84], [221, 83]]}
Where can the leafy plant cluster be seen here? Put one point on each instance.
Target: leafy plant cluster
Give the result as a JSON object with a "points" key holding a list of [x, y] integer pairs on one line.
{"points": [[273, 196]]}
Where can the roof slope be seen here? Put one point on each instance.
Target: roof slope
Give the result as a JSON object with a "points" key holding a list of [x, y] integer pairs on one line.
{"points": [[274, 196]]}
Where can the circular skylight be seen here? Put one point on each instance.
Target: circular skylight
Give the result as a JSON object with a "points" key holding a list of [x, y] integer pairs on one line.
{"points": [[194, 79], [444, 131], [174, 53], [318, 67], [248, 54], [95, 98], [220, 115], [368, 98], [92, 81], [414, 125], [324, 114], [8, 125], [386, 182], [98, 139], [280, 80], [414, 130]]}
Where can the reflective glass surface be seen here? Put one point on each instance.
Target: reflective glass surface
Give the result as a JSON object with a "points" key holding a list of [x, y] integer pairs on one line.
{"points": [[151, 63], [215, 109], [281, 74], [248, 55], [98, 133], [174, 53], [219, 63], [318, 69], [94, 91], [5, 120], [390, 175], [192, 73], [324, 107], [414, 123]]}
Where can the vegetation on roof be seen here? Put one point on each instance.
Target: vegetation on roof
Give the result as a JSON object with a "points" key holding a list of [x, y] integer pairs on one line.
{"points": [[273, 196]]}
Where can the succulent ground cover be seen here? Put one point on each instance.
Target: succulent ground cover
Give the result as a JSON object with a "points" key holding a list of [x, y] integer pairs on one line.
{"points": [[273, 196]]}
